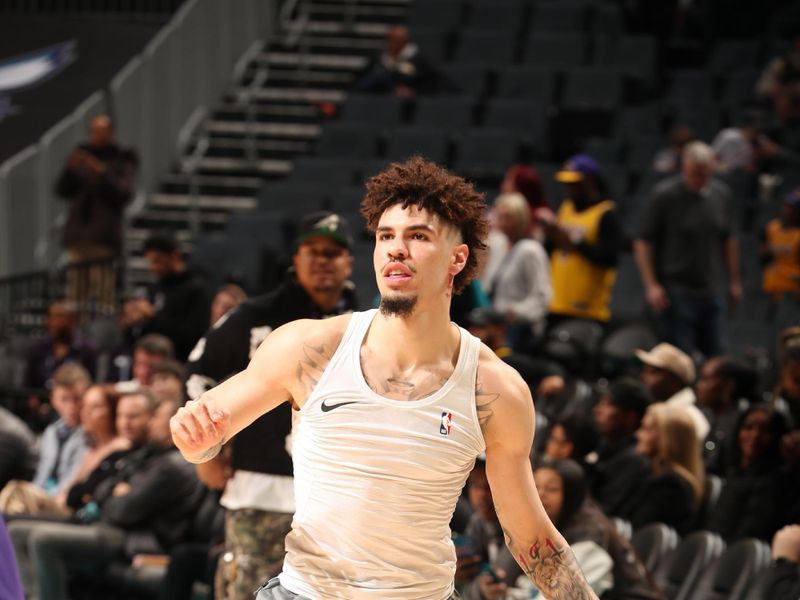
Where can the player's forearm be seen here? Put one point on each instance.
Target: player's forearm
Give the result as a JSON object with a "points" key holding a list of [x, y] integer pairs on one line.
{"points": [[551, 566]]}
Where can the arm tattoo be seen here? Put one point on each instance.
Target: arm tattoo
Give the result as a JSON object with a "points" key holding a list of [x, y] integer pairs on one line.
{"points": [[208, 454], [311, 366], [483, 403], [553, 569]]}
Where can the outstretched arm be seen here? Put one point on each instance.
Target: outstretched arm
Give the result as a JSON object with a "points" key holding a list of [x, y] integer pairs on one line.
{"points": [[508, 425]]}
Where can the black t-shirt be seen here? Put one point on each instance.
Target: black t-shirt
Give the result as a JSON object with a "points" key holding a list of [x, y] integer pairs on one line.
{"points": [[227, 349]]}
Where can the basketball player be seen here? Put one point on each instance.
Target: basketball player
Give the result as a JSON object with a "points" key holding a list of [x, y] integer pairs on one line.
{"points": [[394, 405]]}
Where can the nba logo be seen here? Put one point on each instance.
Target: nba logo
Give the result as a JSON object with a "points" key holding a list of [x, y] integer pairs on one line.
{"points": [[446, 424]]}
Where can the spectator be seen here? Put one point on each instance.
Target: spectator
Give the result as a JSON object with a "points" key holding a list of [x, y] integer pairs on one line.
{"points": [[260, 496], [517, 274], [609, 562], [747, 505], [63, 443], [177, 306], [787, 396], [98, 181], [147, 352], [401, 69], [618, 469], [744, 146], [725, 388], [147, 510], [780, 250], [572, 436], [781, 75], [586, 238], [687, 228], [669, 375], [783, 581], [673, 490], [228, 297], [525, 180], [669, 160], [17, 449], [489, 326], [167, 378]]}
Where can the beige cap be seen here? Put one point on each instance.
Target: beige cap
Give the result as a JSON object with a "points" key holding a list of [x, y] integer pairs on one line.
{"points": [[670, 358]]}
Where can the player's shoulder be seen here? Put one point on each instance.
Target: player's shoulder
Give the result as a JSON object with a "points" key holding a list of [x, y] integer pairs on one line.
{"points": [[497, 377], [313, 332]]}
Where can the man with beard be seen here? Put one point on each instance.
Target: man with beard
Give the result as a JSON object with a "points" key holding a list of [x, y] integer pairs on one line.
{"points": [[259, 498], [395, 405]]}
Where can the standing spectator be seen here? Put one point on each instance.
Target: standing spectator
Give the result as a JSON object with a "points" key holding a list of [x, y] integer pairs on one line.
{"points": [[228, 297], [400, 69], [673, 490], [782, 75], [618, 469], [725, 388], [783, 581], [744, 146], [687, 228], [587, 239], [669, 374], [260, 496], [525, 180], [748, 502], [17, 449], [780, 250], [179, 303], [61, 345], [98, 181], [517, 273], [63, 442]]}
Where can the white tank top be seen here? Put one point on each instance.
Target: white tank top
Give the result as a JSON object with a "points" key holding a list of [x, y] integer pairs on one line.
{"points": [[377, 480]]}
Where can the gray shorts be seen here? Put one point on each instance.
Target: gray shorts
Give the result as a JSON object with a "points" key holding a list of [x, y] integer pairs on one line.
{"points": [[273, 590]]}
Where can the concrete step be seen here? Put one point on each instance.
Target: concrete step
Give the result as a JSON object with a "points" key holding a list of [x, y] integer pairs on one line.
{"points": [[211, 185], [286, 131], [307, 96], [214, 203], [239, 147], [232, 110], [213, 165], [344, 45], [292, 77], [339, 62]]}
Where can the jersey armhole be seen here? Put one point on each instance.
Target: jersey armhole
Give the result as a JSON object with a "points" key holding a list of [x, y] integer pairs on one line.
{"points": [[474, 404]]}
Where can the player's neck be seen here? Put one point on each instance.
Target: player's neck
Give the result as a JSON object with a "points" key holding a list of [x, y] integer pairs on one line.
{"points": [[422, 337]]}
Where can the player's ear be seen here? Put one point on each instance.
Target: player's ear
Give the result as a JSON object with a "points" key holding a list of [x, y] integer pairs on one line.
{"points": [[459, 259]]}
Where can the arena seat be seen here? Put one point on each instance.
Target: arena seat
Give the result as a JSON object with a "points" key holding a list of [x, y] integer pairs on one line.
{"points": [[653, 543]]}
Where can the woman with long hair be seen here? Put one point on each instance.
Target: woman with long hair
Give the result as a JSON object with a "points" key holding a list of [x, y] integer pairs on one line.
{"points": [[673, 491]]}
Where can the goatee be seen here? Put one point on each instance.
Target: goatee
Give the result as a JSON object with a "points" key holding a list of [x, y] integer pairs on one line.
{"points": [[398, 306]]}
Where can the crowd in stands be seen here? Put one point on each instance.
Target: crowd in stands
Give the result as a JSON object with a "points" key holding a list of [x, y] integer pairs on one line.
{"points": [[671, 424]]}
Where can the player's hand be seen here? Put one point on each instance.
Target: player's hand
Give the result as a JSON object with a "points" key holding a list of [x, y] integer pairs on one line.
{"points": [[657, 298], [491, 590], [786, 543], [199, 429]]}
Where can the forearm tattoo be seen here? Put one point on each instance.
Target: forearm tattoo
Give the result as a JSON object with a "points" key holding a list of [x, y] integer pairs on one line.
{"points": [[311, 366], [552, 568]]}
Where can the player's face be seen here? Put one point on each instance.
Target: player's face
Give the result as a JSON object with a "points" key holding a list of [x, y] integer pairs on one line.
{"points": [[417, 255], [322, 265]]}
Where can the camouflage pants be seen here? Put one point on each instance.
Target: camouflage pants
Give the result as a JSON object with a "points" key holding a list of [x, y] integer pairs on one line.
{"points": [[254, 551]]}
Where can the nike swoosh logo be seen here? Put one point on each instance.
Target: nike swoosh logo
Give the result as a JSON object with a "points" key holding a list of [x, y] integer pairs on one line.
{"points": [[329, 407]]}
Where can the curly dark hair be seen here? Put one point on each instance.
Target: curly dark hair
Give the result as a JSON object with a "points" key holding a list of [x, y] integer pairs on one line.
{"points": [[426, 185]]}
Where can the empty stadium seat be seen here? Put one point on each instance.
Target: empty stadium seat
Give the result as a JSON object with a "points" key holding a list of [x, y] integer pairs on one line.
{"points": [[739, 88], [337, 172], [469, 78], [429, 142], [604, 150], [368, 109], [653, 543], [555, 50], [504, 15], [560, 16], [345, 139], [607, 18], [433, 43], [481, 46], [683, 568], [729, 55], [523, 81], [735, 572], [592, 89], [712, 489], [574, 343], [444, 14], [524, 118], [617, 353], [486, 153], [444, 112]]}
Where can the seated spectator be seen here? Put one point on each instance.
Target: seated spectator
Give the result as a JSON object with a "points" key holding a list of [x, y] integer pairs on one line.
{"points": [[17, 449], [669, 159], [489, 326], [787, 396], [97, 423], [147, 510], [10, 585], [608, 561], [687, 234], [63, 443], [62, 344], [400, 69], [148, 351], [618, 468], [669, 375], [673, 490], [166, 383], [525, 180], [572, 436], [228, 297], [725, 388], [517, 275], [586, 238], [780, 250], [747, 505], [783, 581], [178, 304]]}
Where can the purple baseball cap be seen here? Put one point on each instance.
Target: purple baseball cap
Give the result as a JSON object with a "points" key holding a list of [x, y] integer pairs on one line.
{"points": [[578, 168]]}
